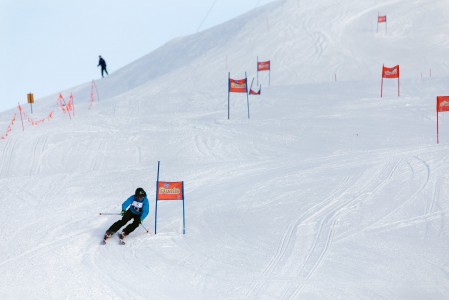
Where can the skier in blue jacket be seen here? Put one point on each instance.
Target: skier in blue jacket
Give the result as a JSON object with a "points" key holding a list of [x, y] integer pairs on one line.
{"points": [[139, 207]]}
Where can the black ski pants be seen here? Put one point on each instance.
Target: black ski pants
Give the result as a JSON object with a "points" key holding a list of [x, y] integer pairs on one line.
{"points": [[128, 216], [103, 70]]}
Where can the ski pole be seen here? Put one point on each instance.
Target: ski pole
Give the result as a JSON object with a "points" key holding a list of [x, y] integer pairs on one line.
{"points": [[144, 228], [110, 214]]}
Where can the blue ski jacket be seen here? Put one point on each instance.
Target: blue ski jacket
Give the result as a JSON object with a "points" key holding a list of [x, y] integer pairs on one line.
{"points": [[138, 207]]}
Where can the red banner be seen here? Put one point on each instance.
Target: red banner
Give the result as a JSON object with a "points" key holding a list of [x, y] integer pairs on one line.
{"points": [[237, 85], [390, 72], [381, 19], [170, 190], [251, 92], [263, 66], [442, 103]]}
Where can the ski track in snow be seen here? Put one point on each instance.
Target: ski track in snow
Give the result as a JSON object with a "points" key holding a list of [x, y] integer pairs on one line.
{"points": [[7, 157], [39, 148], [286, 242], [326, 232], [328, 214]]}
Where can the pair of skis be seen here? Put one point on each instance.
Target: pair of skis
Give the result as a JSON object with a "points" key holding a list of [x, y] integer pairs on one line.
{"points": [[120, 241]]}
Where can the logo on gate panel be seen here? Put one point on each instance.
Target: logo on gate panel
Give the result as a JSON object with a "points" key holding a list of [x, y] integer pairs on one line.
{"points": [[170, 191]]}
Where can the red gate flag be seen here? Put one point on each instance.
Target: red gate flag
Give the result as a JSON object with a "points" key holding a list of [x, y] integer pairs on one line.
{"points": [[442, 103], [251, 92], [263, 66], [170, 190], [381, 19], [390, 72], [442, 106], [166, 190], [237, 85]]}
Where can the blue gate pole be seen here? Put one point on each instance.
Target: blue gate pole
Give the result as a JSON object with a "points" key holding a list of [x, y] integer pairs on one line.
{"points": [[247, 97], [157, 184], [183, 212], [269, 74], [229, 89], [257, 71]]}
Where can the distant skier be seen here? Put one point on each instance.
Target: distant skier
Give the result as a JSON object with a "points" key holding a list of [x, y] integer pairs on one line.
{"points": [[139, 207], [102, 63]]}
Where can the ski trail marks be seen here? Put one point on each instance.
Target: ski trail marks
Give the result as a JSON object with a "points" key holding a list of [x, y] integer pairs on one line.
{"points": [[39, 147], [287, 242]]}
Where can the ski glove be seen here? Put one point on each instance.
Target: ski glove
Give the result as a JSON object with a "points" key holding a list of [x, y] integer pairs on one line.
{"points": [[123, 212]]}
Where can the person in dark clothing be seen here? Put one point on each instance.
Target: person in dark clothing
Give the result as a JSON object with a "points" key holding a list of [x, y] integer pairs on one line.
{"points": [[102, 63], [139, 207]]}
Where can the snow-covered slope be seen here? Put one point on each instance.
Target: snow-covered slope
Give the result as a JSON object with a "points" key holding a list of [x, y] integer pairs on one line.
{"points": [[327, 192]]}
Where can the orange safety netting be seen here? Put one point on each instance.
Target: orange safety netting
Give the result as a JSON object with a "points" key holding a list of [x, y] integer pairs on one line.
{"points": [[37, 122], [92, 98], [9, 129]]}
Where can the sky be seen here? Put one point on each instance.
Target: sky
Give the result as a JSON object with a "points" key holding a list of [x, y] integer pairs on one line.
{"points": [[50, 45]]}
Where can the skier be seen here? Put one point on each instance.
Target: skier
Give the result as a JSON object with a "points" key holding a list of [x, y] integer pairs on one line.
{"points": [[102, 63], [139, 207]]}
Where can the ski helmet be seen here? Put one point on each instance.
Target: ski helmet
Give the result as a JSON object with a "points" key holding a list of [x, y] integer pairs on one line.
{"points": [[140, 193]]}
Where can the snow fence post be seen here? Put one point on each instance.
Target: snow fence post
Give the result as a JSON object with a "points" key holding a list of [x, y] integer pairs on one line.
{"points": [[21, 118]]}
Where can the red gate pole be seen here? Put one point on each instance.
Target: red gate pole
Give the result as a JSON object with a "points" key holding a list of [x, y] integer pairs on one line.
{"points": [[381, 86], [438, 140]]}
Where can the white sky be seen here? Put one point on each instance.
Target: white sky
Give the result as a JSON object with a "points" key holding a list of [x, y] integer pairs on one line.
{"points": [[51, 45]]}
